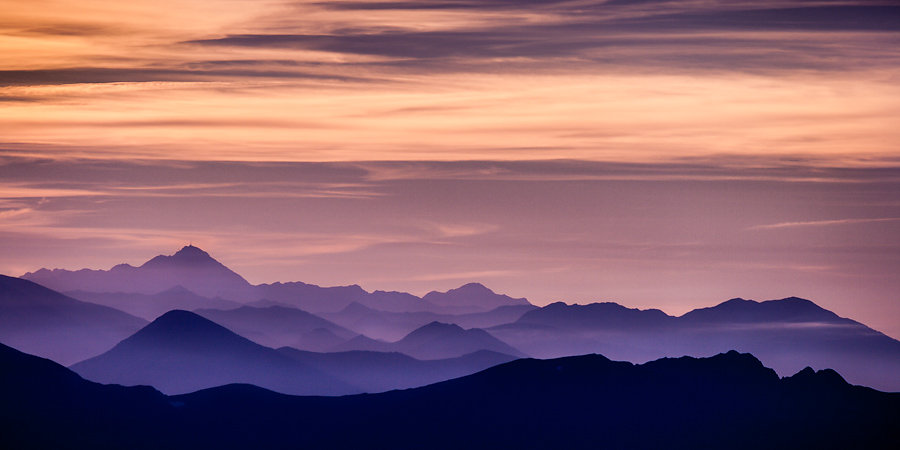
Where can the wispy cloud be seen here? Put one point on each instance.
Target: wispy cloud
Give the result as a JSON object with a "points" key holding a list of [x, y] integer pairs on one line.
{"points": [[823, 223]]}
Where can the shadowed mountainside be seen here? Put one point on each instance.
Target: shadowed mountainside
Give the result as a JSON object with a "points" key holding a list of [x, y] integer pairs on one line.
{"points": [[46, 323], [727, 401]]}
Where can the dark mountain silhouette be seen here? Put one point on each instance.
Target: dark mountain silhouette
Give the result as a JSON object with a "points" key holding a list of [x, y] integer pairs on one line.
{"points": [[435, 341], [274, 326], [472, 297], [392, 326], [182, 352], [727, 401], [381, 371], [46, 323], [151, 306], [785, 334], [190, 267]]}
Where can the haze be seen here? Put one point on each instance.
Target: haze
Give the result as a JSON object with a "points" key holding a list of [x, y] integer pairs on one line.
{"points": [[668, 154]]}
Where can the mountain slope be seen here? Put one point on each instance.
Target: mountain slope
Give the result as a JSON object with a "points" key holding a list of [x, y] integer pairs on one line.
{"points": [[182, 352], [274, 326], [44, 322], [381, 371]]}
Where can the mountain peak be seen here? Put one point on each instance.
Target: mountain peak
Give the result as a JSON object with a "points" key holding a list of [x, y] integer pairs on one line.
{"points": [[190, 250], [187, 256], [184, 327], [472, 295]]}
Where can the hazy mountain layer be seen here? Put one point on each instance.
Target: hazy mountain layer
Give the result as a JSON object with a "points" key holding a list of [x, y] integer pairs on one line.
{"points": [[49, 324], [435, 341], [785, 334]]}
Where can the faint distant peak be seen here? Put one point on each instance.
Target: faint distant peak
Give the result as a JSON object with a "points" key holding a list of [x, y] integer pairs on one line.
{"points": [[790, 309], [357, 307], [472, 294], [177, 290]]}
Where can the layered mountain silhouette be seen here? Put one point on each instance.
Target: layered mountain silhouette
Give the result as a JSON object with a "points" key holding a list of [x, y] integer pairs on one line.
{"points": [[46, 323], [278, 326], [190, 267], [182, 352], [196, 271], [151, 306], [435, 341], [727, 401], [392, 326], [785, 334]]}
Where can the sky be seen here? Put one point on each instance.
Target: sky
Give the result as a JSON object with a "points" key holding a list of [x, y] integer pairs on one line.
{"points": [[667, 154]]}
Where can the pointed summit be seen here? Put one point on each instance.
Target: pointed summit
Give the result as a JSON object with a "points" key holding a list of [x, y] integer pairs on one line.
{"points": [[190, 267], [187, 256]]}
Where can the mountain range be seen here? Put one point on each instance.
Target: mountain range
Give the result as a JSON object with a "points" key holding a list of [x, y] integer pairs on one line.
{"points": [[182, 351], [786, 334], [726, 401], [196, 271]]}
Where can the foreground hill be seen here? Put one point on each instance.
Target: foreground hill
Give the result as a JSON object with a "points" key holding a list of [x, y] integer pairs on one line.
{"points": [[182, 352], [726, 401], [46, 323], [785, 334]]}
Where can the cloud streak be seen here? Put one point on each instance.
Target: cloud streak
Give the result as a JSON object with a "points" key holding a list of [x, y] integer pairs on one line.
{"points": [[823, 223]]}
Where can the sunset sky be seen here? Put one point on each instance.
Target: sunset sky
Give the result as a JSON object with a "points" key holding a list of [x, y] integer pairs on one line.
{"points": [[668, 154]]}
